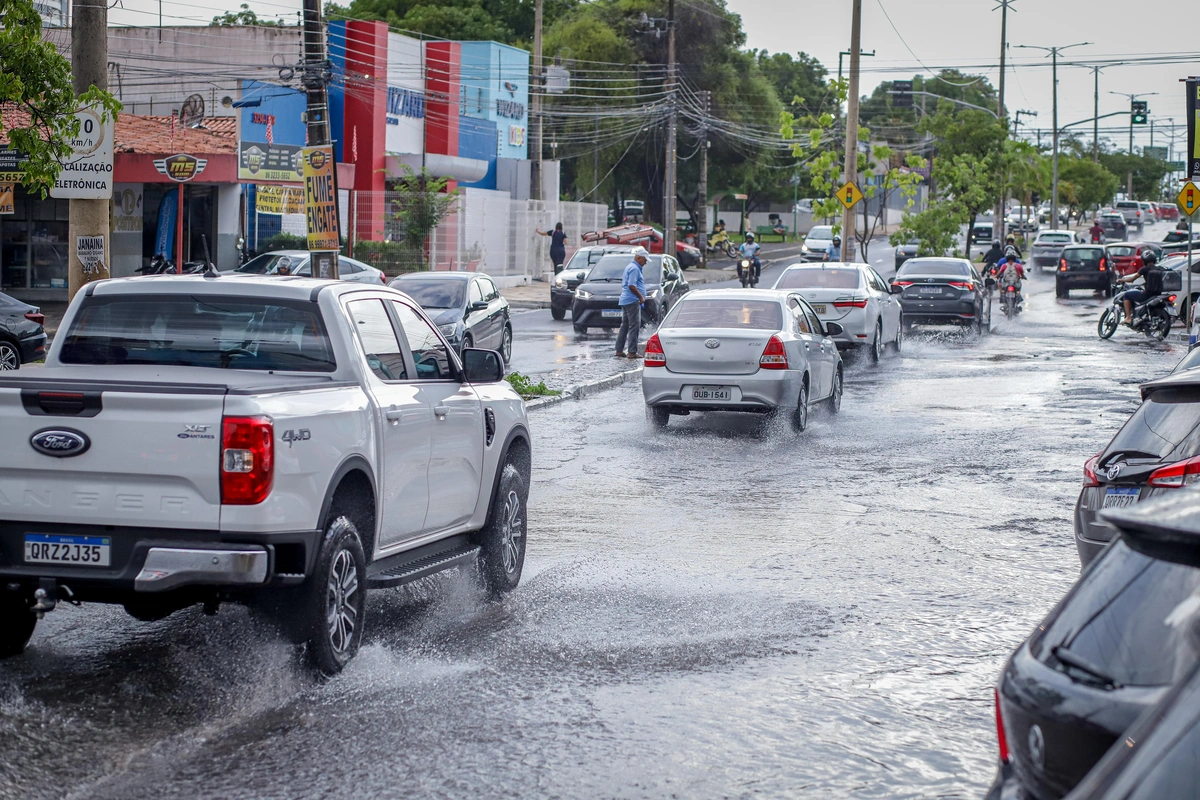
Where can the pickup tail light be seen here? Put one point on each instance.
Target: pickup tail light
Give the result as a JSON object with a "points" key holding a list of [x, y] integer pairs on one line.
{"points": [[247, 460], [654, 355], [1181, 473], [35, 317], [1089, 471], [774, 355], [851, 302]]}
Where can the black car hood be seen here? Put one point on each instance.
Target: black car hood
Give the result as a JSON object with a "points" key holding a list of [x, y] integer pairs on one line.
{"points": [[603, 289], [444, 316]]}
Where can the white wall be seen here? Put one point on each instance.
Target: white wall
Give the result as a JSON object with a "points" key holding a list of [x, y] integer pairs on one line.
{"points": [[405, 133]]}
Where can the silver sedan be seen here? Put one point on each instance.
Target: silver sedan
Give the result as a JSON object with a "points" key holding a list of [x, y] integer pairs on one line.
{"points": [[762, 352]]}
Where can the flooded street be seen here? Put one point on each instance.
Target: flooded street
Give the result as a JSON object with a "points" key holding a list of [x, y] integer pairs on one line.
{"points": [[717, 610]]}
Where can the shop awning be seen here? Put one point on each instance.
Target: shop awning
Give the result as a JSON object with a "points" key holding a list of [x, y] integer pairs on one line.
{"points": [[455, 168]]}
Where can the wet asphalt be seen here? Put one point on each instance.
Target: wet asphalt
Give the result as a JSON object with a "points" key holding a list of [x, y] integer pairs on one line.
{"points": [[717, 610]]}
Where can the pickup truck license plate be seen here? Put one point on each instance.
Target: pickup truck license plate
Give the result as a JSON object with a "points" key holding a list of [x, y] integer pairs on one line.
{"points": [[1121, 497], [72, 551], [819, 308], [712, 393], [610, 312]]}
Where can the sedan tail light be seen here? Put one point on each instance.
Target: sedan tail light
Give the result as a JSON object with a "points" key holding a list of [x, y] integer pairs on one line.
{"points": [[247, 460], [1182, 473], [654, 356], [774, 355], [1089, 470], [851, 302], [1001, 738], [33, 316], [902, 283], [962, 284]]}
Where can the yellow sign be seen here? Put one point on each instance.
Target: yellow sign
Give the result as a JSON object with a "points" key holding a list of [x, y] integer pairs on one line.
{"points": [[6, 199], [1189, 199], [279, 200], [320, 198], [849, 195]]}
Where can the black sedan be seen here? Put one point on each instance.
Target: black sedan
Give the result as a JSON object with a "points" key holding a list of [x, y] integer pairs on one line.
{"points": [[596, 300], [941, 291], [1084, 266], [466, 306], [22, 333], [906, 251], [1107, 652], [568, 278]]}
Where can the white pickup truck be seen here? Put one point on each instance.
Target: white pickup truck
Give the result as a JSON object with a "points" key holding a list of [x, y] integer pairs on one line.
{"points": [[283, 442]]}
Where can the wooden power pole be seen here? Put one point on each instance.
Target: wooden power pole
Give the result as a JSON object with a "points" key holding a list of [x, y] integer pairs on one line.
{"points": [[536, 84], [88, 220], [702, 233], [669, 199], [316, 85]]}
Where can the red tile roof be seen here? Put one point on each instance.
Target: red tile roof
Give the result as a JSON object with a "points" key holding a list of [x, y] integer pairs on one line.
{"points": [[142, 134]]}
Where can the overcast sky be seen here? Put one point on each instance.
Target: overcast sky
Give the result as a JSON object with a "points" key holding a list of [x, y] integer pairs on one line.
{"points": [[966, 34]]}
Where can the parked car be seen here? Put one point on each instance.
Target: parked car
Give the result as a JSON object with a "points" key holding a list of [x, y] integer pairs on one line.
{"points": [[1047, 247], [596, 299], [1084, 266], [1115, 227], [1126, 258], [634, 210], [1132, 211], [22, 333], [466, 306], [750, 350], [1122, 636], [288, 444], [940, 291], [817, 241], [297, 262], [1154, 452], [906, 251], [574, 272], [855, 297]]}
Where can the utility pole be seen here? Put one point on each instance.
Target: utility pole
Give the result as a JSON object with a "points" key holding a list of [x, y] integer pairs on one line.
{"points": [[596, 150], [316, 82], [669, 204], [998, 218], [1054, 51], [850, 169], [89, 67], [535, 105], [702, 234], [1096, 114]]}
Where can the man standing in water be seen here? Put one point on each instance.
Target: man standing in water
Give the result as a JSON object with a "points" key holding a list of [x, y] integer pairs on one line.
{"points": [[633, 295]]}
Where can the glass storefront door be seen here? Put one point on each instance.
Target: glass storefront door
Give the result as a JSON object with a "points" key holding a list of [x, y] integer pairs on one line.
{"points": [[33, 243]]}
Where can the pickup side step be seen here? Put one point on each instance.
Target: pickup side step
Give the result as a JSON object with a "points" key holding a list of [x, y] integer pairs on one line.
{"points": [[417, 563]]}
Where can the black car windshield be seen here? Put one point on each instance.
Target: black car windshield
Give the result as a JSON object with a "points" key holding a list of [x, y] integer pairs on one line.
{"points": [[817, 278], [1165, 424], [434, 292], [952, 268], [269, 263], [199, 331], [612, 268], [694, 312], [1121, 617]]}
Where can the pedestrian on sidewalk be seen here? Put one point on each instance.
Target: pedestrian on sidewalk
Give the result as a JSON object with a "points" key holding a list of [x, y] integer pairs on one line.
{"points": [[558, 246], [633, 296]]}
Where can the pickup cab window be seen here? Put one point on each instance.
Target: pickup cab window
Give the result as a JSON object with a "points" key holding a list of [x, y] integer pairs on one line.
{"points": [[219, 332], [429, 352], [379, 341]]}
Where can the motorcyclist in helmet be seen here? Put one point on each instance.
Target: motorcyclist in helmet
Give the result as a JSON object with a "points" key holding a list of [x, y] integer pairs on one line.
{"points": [[1152, 274], [1097, 231], [993, 256], [749, 249], [1011, 242], [1009, 272], [834, 251]]}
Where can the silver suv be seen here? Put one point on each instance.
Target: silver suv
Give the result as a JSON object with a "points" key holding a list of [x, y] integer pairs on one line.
{"points": [[1132, 212]]}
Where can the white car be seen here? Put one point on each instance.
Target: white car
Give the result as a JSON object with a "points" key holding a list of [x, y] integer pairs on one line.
{"points": [[287, 444], [817, 243], [749, 350], [855, 297], [297, 262]]}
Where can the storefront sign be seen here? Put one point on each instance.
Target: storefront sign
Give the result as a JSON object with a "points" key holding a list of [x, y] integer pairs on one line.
{"points": [[510, 108], [1193, 128], [91, 254], [6, 199], [181, 167], [320, 198], [516, 135], [12, 165], [279, 200], [258, 161], [88, 174], [127, 208], [404, 103]]}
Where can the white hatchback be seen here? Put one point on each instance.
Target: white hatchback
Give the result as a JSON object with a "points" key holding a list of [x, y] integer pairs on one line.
{"points": [[817, 243], [855, 297]]}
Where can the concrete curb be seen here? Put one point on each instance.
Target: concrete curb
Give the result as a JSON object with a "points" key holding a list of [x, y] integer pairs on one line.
{"points": [[582, 390]]}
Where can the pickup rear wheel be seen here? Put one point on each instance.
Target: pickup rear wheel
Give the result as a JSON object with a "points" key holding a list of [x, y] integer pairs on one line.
{"points": [[502, 540], [335, 597], [16, 623]]}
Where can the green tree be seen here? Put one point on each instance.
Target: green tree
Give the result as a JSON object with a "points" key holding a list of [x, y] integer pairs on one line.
{"points": [[37, 101], [246, 16], [1147, 173], [420, 204], [801, 83], [507, 21], [968, 167], [1084, 184]]}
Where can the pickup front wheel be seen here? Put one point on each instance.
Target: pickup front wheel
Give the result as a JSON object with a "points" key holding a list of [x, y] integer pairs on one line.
{"points": [[16, 623], [335, 598], [502, 540]]}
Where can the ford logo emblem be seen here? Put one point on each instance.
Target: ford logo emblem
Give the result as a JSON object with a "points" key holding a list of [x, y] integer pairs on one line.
{"points": [[60, 443], [712, 344]]}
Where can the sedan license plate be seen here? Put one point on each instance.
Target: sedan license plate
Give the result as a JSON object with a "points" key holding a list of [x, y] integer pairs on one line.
{"points": [[929, 290], [610, 312], [72, 551], [819, 308], [712, 393], [1119, 498]]}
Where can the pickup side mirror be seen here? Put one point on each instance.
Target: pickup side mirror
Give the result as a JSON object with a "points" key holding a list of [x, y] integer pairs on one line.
{"points": [[896, 289], [833, 329], [482, 366], [478, 305]]}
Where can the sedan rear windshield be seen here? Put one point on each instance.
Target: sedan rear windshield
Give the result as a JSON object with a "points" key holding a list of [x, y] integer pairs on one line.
{"points": [[1087, 254], [199, 331], [726, 313], [434, 293], [1166, 424], [952, 268], [1054, 238], [816, 278]]}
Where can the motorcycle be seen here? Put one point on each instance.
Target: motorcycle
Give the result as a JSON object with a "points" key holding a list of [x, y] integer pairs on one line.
{"points": [[1153, 318], [1010, 301], [158, 265], [748, 271], [718, 242]]}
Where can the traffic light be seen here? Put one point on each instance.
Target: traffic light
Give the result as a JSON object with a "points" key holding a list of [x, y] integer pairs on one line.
{"points": [[902, 94], [1139, 111]]}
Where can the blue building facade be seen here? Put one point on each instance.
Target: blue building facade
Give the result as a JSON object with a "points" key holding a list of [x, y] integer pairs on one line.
{"points": [[495, 87]]}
